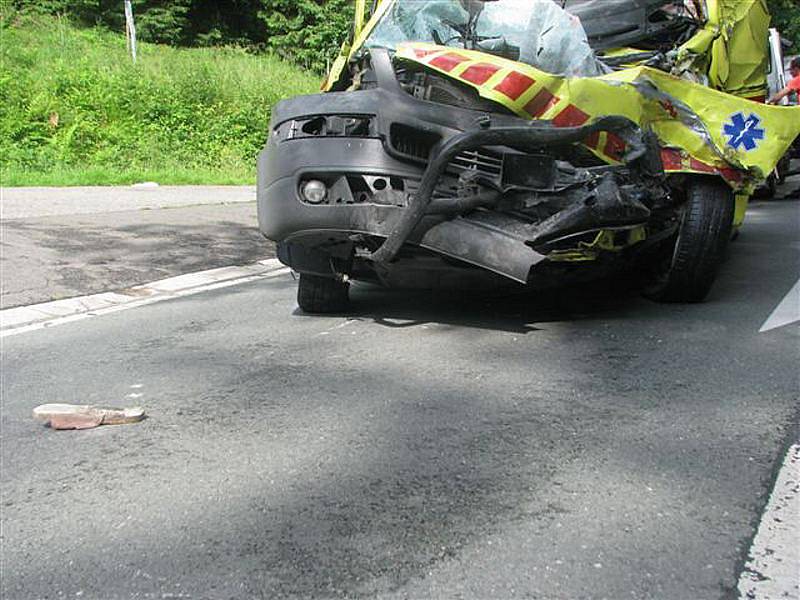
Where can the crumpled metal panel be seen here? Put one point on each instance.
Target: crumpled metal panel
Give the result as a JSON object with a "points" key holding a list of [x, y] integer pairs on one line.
{"points": [[703, 130], [731, 49]]}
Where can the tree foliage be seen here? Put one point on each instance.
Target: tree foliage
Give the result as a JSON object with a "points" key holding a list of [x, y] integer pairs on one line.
{"points": [[786, 17], [307, 31], [174, 22]]}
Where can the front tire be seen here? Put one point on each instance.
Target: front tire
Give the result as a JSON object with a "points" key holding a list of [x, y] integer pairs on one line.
{"points": [[687, 273], [322, 295]]}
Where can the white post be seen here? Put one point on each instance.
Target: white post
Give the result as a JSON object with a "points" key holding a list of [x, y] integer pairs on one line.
{"points": [[130, 28]]}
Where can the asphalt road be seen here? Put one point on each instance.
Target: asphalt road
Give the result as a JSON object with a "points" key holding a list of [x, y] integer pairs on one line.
{"points": [[584, 445], [66, 242]]}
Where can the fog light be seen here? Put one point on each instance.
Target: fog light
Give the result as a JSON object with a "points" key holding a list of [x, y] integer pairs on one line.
{"points": [[314, 191]]}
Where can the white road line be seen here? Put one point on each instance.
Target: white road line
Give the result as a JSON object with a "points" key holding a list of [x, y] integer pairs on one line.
{"points": [[788, 311], [14, 321], [773, 568], [339, 326]]}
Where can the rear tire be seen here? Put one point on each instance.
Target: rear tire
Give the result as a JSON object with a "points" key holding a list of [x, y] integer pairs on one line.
{"points": [[784, 166], [322, 295], [772, 185], [687, 272]]}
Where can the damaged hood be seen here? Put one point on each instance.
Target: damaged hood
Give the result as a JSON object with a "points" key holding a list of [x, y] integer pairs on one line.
{"points": [[702, 130]]}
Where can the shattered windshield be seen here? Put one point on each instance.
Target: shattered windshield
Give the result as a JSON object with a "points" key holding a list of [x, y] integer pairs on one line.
{"points": [[537, 32]]}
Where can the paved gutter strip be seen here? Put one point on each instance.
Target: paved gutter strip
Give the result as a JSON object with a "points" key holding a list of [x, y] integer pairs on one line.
{"points": [[773, 568], [22, 319]]}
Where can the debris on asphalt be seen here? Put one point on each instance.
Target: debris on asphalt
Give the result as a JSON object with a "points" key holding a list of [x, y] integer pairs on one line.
{"points": [[72, 416]]}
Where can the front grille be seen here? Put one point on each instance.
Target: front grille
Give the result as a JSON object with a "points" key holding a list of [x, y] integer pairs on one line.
{"points": [[483, 161], [412, 142], [419, 144]]}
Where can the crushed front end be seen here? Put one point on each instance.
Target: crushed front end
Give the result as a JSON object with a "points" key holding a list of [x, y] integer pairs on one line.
{"points": [[412, 181], [466, 143]]}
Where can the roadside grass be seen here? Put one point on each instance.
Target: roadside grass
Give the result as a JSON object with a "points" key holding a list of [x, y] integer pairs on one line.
{"points": [[74, 110]]}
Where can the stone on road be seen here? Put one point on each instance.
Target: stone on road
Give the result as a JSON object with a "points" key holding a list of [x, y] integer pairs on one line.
{"points": [[75, 416]]}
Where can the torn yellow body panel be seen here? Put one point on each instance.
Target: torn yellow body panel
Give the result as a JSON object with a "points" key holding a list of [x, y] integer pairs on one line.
{"points": [[732, 48], [360, 18], [703, 130]]}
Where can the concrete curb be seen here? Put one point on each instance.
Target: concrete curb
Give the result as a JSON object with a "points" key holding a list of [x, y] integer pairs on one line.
{"points": [[18, 320]]}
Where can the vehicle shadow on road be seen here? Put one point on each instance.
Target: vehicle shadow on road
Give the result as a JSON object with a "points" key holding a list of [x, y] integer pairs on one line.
{"points": [[513, 311]]}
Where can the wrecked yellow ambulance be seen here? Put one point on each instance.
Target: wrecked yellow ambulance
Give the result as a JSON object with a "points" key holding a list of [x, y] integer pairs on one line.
{"points": [[533, 142]]}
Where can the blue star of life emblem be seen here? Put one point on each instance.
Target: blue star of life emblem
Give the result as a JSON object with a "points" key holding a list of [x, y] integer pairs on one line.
{"points": [[744, 131]]}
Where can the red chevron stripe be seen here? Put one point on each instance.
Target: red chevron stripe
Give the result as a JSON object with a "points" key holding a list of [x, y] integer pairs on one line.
{"points": [[696, 165], [420, 53], [447, 62], [671, 159], [514, 85], [572, 116], [479, 73], [541, 103]]}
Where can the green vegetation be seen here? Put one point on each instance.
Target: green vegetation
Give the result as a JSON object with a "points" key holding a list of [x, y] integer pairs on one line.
{"points": [[75, 110], [786, 17], [174, 22]]}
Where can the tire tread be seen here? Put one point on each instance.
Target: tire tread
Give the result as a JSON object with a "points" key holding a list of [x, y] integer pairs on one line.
{"points": [[701, 245], [322, 295]]}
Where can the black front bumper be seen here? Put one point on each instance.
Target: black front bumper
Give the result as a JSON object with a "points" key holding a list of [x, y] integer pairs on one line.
{"points": [[298, 150], [285, 218], [283, 215]]}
